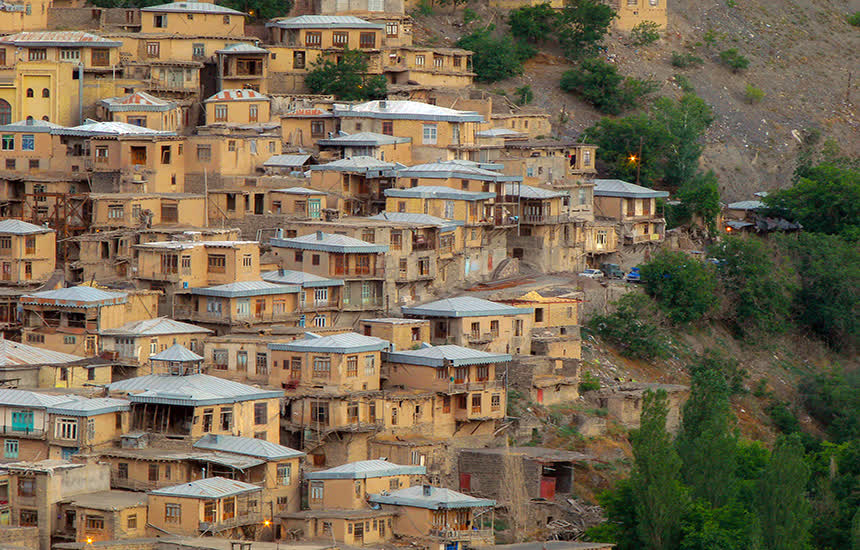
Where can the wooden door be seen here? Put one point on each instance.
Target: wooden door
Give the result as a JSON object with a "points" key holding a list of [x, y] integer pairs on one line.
{"points": [[547, 488]]}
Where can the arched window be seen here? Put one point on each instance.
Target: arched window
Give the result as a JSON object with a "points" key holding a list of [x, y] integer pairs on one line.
{"points": [[29, 92], [5, 112], [45, 118], [46, 92]]}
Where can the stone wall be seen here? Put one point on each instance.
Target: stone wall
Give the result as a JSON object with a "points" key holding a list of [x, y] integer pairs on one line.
{"points": [[19, 538]]}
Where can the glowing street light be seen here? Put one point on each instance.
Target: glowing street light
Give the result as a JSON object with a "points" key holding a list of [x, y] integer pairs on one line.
{"points": [[89, 540]]}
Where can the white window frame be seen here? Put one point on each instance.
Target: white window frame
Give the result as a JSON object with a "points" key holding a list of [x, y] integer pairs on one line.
{"points": [[429, 134]]}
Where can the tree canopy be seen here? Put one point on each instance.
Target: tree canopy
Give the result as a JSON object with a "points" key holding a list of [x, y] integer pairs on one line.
{"points": [[495, 57], [684, 286], [599, 83]]}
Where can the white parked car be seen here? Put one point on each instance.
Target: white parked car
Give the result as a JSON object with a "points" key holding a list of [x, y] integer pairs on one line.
{"points": [[592, 274]]}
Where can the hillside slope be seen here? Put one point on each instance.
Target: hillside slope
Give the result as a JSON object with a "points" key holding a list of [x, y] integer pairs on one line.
{"points": [[802, 55]]}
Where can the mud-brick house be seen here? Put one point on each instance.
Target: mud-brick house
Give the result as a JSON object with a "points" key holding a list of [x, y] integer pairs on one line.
{"points": [[385, 148], [237, 107], [337, 499], [27, 252], [137, 341], [633, 208], [193, 405], [70, 319], [555, 331], [249, 303], [401, 333], [359, 183], [477, 323], [192, 19], [25, 366], [142, 109], [440, 518], [624, 402], [213, 505], [39, 488], [104, 516]]}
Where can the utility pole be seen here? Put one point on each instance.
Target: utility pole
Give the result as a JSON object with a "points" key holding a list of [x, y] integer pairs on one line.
{"points": [[639, 159]]}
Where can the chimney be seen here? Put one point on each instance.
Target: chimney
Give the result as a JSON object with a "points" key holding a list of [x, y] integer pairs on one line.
{"points": [[427, 490], [319, 235], [383, 104]]}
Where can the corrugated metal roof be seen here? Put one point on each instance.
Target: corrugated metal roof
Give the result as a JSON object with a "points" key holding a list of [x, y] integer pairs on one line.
{"points": [[345, 342], [529, 192], [242, 47], [177, 353], [439, 356], [115, 128], [307, 280], [308, 113], [394, 321], [58, 38], [329, 242], [223, 459], [249, 446], [24, 398], [358, 163], [237, 95], [80, 406], [18, 227], [499, 132], [31, 125], [439, 192], [210, 487], [182, 245], [245, 288], [138, 101], [464, 306], [75, 296], [324, 22], [193, 7], [402, 109], [155, 327], [746, 205], [364, 469], [15, 353], [287, 161], [189, 390], [363, 139], [438, 499], [445, 170], [418, 219], [619, 188]]}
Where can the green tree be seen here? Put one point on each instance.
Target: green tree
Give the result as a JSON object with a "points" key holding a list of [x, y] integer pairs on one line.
{"points": [[706, 441], [759, 289], [685, 122], [261, 9], [524, 94], [730, 527], [826, 199], [621, 522], [833, 399], [699, 198], [829, 271], [495, 57], [783, 508], [684, 287], [599, 83], [646, 32], [632, 328], [582, 24], [658, 494], [534, 23], [347, 80]]}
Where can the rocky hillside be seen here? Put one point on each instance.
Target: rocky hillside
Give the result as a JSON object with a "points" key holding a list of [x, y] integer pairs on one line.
{"points": [[803, 55]]}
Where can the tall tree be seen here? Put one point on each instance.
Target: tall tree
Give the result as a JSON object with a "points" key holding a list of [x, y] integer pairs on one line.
{"points": [[783, 509], [582, 25], [706, 442], [347, 79], [685, 121], [657, 490], [684, 287]]}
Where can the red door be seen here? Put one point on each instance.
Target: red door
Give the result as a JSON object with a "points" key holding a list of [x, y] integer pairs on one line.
{"points": [[540, 395], [547, 488], [465, 482]]}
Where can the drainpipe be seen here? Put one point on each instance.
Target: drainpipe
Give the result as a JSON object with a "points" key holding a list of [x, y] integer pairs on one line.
{"points": [[80, 93]]}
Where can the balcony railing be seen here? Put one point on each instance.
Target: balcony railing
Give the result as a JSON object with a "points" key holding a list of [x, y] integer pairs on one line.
{"points": [[461, 534], [24, 431], [540, 218], [647, 238], [364, 303], [476, 338], [246, 518], [469, 386], [358, 271]]}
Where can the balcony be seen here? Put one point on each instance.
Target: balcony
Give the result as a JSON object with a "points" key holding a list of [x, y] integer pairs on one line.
{"points": [[364, 304], [650, 237], [485, 338], [469, 386], [226, 318], [247, 518], [24, 431], [461, 534], [359, 271], [545, 219]]}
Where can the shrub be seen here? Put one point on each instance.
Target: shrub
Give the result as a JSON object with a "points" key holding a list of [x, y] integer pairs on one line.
{"points": [[684, 60], [783, 418], [525, 95], [599, 83], [347, 80], [753, 95], [495, 58], [684, 83], [684, 287], [533, 23], [632, 328], [581, 26], [589, 382], [425, 7], [646, 32], [733, 58], [469, 15], [854, 19]]}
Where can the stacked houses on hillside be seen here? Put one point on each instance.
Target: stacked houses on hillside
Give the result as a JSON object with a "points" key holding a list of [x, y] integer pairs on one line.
{"points": [[233, 308]]}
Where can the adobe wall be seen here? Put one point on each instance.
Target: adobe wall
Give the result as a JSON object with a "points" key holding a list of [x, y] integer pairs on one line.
{"points": [[24, 538]]}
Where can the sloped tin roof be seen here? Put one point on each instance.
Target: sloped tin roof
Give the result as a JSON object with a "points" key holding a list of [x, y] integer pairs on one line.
{"points": [[346, 342], [177, 353], [464, 306], [329, 242], [364, 469], [307, 280], [190, 390], [438, 499], [19, 227], [16, 354], [249, 446], [246, 288], [155, 327], [207, 488], [75, 296], [439, 356]]}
